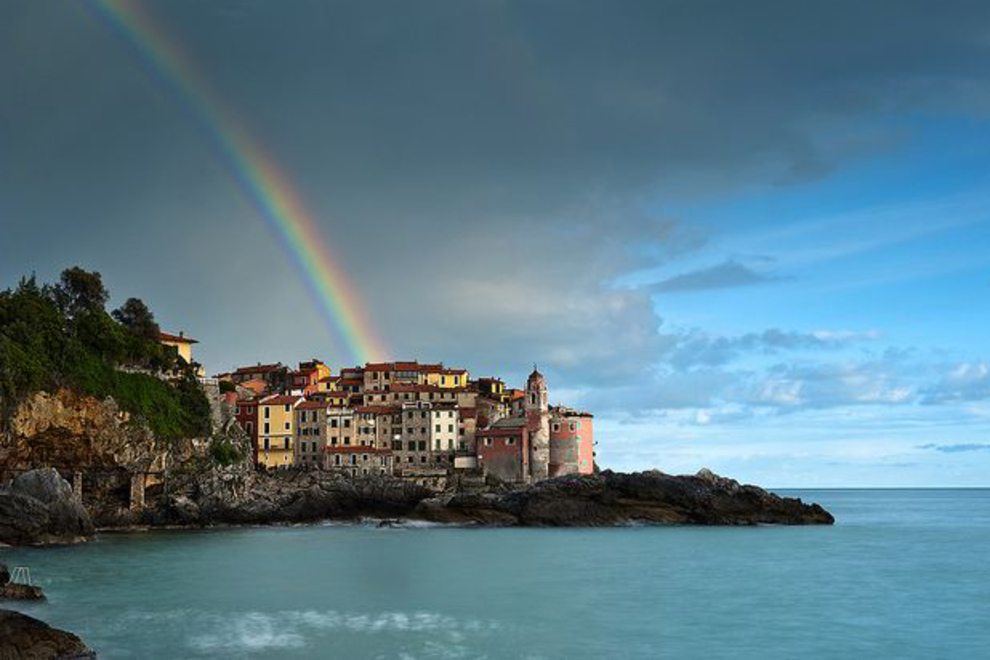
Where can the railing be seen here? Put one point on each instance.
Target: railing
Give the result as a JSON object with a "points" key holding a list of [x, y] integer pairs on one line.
{"points": [[21, 575]]}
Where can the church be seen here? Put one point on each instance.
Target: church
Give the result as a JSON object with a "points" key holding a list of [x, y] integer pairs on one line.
{"points": [[538, 441]]}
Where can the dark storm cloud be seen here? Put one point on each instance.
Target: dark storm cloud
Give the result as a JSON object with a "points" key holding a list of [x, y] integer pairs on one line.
{"points": [[481, 168], [723, 276]]}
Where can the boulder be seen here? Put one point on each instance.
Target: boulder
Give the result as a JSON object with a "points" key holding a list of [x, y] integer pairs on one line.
{"points": [[40, 508], [25, 638]]}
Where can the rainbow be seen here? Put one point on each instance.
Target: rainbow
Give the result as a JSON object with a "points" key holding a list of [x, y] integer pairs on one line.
{"points": [[256, 174]]}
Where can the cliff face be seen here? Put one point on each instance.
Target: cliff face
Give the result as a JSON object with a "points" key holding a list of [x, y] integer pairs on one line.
{"points": [[107, 456], [73, 432]]}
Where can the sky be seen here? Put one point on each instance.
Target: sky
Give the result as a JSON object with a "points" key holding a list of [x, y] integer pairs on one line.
{"points": [[753, 237]]}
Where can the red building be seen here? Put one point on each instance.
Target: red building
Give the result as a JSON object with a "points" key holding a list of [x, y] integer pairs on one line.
{"points": [[503, 450], [246, 413]]}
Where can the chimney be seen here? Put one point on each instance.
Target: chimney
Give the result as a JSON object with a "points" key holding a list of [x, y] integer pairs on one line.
{"points": [[182, 333]]}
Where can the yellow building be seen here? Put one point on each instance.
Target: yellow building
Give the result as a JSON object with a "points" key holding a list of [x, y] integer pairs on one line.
{"points": [[181, 344], [276, 430], [448, 378]]}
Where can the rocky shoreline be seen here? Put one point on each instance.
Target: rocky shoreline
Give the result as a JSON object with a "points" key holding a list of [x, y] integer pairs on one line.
{"points": [[39, 508]]}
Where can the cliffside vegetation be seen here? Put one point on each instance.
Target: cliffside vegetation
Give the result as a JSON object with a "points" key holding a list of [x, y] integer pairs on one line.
{"points": [[60, 335]]}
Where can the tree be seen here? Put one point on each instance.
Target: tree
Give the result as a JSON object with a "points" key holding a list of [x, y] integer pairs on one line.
{"points": [[136, 317], [78, 292]]}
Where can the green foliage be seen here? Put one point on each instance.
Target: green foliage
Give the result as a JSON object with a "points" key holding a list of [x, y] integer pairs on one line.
{"points": [[136, 317], [61, 336], [225, 452], [79, 291], [227, 386]]}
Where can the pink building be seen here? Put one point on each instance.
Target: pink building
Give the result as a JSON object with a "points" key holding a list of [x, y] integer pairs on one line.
{"points": [[572, 442]]}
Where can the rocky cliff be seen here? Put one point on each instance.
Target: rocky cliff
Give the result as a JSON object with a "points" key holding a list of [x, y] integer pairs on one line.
{"points": [[127, 478], [73, 432]]}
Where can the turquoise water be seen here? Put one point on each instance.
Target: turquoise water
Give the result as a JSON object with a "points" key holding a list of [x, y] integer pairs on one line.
{"points": [[903, 574]]}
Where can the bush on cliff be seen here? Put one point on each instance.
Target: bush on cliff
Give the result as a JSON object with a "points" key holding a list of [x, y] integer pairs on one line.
{"points": [[61, 336]]}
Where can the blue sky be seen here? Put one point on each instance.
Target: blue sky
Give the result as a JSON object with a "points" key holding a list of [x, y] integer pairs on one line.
{"points": [[751, 237]]}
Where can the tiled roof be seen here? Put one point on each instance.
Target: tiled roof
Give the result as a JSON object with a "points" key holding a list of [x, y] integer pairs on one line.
{"points": [[259, 368], [281, 399], [564, 411], [311, 405], [378, 410], [165, 336]]}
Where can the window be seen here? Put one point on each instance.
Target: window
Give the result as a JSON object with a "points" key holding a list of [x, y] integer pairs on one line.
{"points": [[422, 445], [437, 443], [347, 423], [353, 459], [572, 427], [336, 459], [364, 471], [488, 442], [347, 439], [250, 428], [556, 428], [266, 428], [438, 428], [237, 410], [422, 459], [287, 426], [288, 407], [333, 423], [450, 428], [286, 443], [267, 444], [364, 458], [267, 412], [510, 441]]}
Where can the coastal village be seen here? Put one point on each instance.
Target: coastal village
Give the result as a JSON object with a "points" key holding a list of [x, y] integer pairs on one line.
{"points": [[405, 419]]}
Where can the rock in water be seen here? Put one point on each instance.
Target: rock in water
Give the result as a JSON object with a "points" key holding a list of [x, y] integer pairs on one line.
{"points": [[613, 498], [39, 508], [26, 638]]}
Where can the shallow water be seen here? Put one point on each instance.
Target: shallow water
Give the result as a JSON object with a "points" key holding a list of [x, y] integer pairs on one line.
{"points": [[903, 574]]}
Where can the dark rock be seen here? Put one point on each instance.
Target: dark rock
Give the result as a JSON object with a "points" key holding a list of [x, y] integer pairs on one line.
{"points": [[237, 495], [611, 498], [26, 638], [4, 574], [15, 591], [39, 508]]}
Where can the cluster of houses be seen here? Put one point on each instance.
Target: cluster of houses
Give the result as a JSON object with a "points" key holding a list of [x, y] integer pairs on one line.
{"points": [[421, 421], [407, 419]]}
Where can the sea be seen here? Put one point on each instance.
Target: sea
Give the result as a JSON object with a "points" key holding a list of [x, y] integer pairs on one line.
{"points": [[902, 574]]}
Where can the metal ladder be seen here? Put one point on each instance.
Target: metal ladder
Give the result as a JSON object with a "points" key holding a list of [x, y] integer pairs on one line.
{"points": [[21, 575]]}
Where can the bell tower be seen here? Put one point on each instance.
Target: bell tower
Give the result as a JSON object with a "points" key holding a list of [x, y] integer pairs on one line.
{"points": [[538, 424]]}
